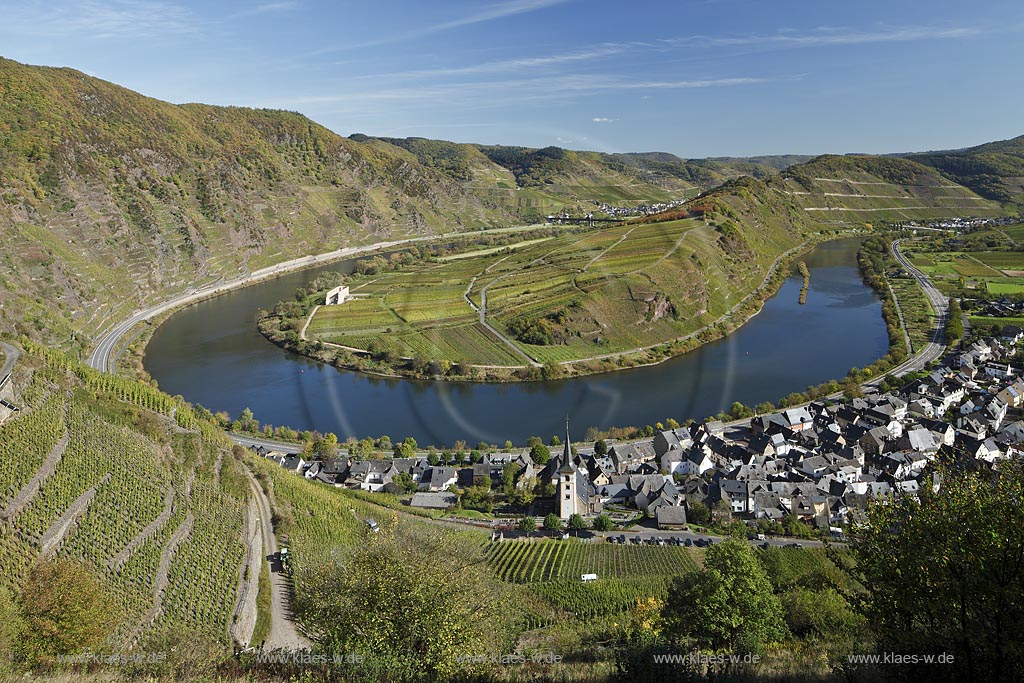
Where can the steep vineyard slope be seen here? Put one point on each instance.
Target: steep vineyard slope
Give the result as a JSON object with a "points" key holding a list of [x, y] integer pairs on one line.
{"points": [[844, 189]]}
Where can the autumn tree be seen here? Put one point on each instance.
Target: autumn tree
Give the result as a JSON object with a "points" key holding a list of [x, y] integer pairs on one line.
{"points": [[945, 573], [65, 611], [410, 605], [728, 603]]}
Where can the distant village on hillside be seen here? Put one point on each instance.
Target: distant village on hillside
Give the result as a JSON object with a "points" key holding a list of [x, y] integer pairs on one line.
{"points": [[820, 463]]}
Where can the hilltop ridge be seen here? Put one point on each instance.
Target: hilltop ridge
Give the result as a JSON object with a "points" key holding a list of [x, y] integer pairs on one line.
{"points": [[113, 200]]}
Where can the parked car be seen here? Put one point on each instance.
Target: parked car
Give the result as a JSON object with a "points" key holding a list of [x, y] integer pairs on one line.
{"points": [[794, 544], [688, 542], [761, 537]]}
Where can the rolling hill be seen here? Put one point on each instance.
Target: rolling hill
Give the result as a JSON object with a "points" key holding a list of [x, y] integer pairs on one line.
{"points": [[994, 170], [865, 189], [111, 199]]}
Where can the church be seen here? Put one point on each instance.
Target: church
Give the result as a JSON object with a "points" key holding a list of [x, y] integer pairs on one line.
{"points": [[574, 494]]}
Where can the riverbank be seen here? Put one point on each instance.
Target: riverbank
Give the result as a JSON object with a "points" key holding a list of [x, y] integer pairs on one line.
{"points": [[108, 344], [212, 354], [278, 328]]}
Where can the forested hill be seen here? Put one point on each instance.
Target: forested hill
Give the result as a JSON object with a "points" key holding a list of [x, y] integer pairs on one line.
{"points": [[566, 174], [865, 189], [111, 199], [994, 170]]}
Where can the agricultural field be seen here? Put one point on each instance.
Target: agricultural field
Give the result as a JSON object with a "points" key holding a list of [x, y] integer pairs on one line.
{"points": [[917, 311], [985, 322], [1005, 286], [88, 473], [602, 597], [987, 264], [787, 567], [551, 560], [559, 299]]}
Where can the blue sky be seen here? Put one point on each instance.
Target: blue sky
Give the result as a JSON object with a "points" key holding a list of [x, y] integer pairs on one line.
{"points": [[696, 78]]}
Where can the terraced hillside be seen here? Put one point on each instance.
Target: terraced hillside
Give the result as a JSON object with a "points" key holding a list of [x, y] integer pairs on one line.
{"points": [[994, 170], [95, 470], [617, 292], [838, 189], [111, 199], [567, 298]]}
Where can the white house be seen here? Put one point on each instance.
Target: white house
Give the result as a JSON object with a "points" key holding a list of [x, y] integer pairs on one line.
{"points": [[338, 295]]}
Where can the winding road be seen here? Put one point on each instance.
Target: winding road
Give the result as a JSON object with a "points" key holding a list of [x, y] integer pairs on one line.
{"points": [[103, 356]]}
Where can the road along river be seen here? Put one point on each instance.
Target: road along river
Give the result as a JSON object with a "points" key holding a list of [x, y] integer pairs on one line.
{"points": [[212, 353]]}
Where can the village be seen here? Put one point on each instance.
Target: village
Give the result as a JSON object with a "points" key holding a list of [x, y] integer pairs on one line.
{"points": [[819, 464]]}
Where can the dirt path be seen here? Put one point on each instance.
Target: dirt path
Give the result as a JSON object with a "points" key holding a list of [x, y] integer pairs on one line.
{"points": [[283, 632], [244, 618], [119, 560], [45, 471], [50, 541]]}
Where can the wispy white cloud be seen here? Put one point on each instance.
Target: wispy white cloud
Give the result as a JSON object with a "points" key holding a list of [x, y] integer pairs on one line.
{"points": [[268, 8], [603, 119], [513, 65], [498, 11], [120, 18], [500, 93], [831, 35], [489, 13]]}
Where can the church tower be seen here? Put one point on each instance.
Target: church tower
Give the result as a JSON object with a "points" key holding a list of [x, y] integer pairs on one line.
{"points": [[568, 495]]}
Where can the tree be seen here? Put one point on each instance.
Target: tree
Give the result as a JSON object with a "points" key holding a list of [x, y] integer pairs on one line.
{"points": [[821, 613], [326, 447], [728, 603], [524, 495], [527, 524], [540, 454], [577, 523], [509, 472], [64, 610], [603, 523], [405, 482], [406, 449], [954, 323], [738, 411], [698, 513], [477, 498], [246, 421], [944, 572], [553, 522], [601, 448], [409, 605]]}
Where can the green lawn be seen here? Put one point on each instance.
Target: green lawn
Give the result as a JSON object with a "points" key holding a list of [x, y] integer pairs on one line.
{"points": [[986, 321], [1005, 287]]}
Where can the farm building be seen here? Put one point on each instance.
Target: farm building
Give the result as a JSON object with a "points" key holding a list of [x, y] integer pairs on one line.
{"points": [[671, 517], [338, 295]]}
